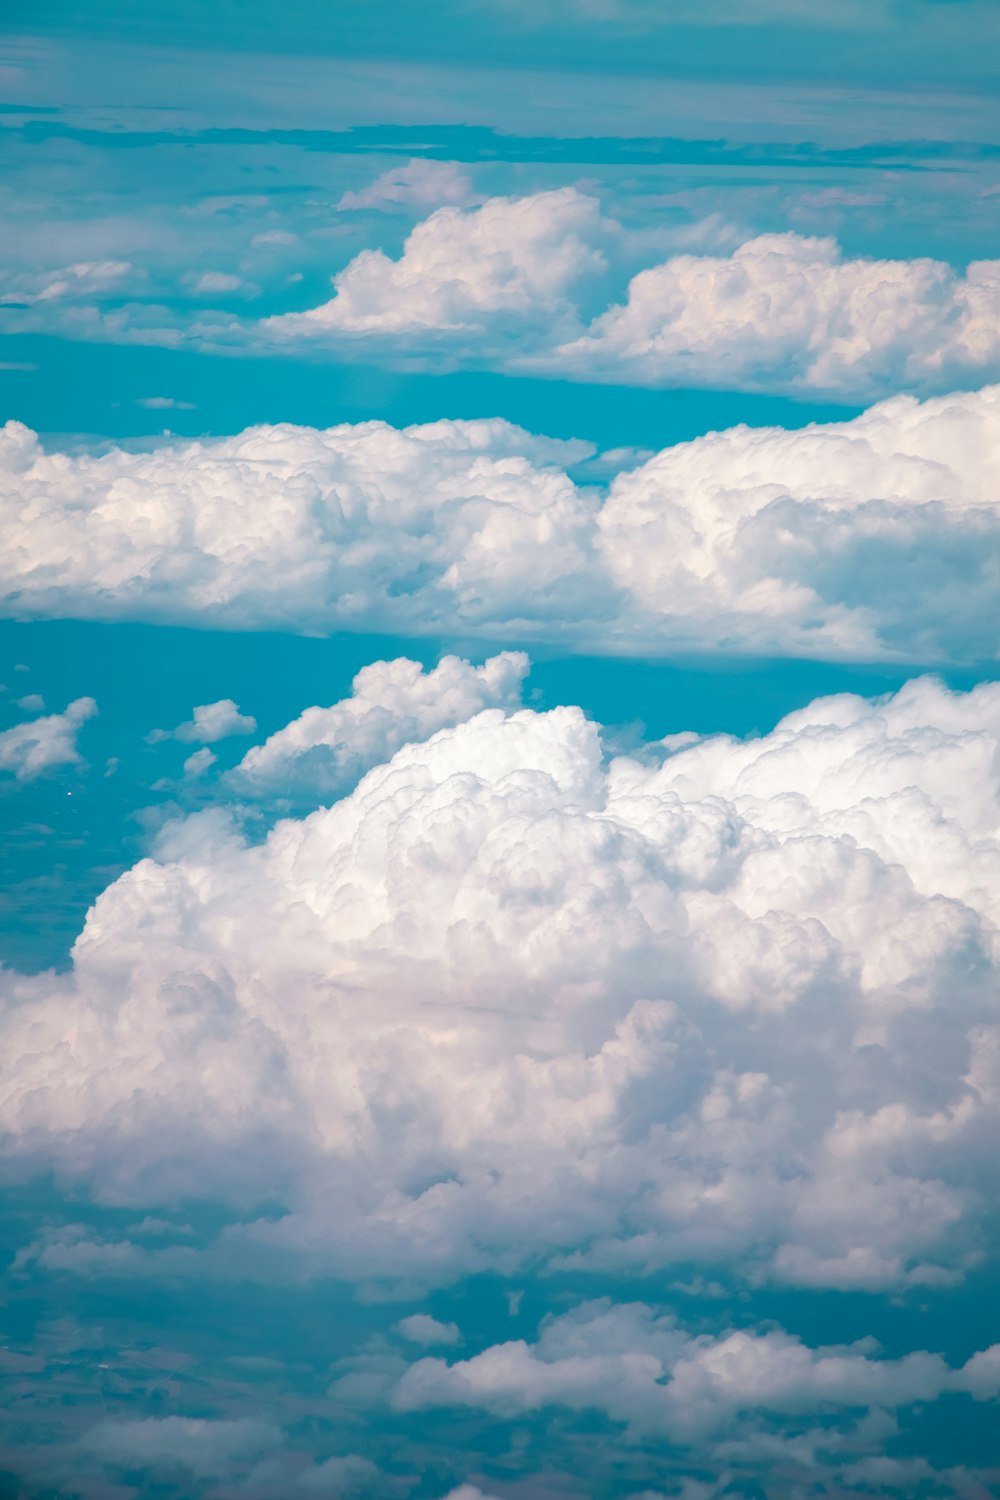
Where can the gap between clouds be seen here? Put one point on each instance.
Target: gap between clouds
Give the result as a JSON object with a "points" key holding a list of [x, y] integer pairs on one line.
{"points": [[877, 538]]}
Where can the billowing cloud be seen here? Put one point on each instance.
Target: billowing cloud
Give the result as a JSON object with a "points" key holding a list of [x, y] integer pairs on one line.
{"points": [[646, 1371], [877, 537], [533, 284], [30, 749], [209, 723], [421, 1328], [510, 265], [732, 1003], [392, 702], [784, 312]]}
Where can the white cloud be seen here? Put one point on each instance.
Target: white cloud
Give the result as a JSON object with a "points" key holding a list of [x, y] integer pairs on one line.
{"points": [[877, 537], [418, 184], [420, 1328], [505, 1004], [646, 1371], [211, 283], [784, 312], [508, 265], [533, 283], [209, 723], [29, 750], [325, 750]]}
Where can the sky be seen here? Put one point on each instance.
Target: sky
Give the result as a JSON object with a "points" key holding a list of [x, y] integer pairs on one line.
{"points": [[499, 750]]}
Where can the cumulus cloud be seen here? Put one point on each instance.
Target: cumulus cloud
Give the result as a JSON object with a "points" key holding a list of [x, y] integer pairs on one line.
{"points": [[512, 283], [28, 750], [786, 312], [877, 537], [646, 1371], [508, 265], [325, 750], [418, 184], [509, 1003], [209, 723]]}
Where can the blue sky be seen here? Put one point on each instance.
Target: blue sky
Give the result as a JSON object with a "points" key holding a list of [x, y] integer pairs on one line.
{"points": [[498, 750]]}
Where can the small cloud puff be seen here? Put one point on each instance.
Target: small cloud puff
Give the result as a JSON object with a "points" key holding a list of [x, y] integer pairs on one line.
{"points": [[29, 750], [420, 1328], [209, 722]]}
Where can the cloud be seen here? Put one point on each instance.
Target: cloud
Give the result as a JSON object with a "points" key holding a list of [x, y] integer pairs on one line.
{"points": [[198, 1445], [873, 538], [533, 284], [420, 1328], [198, 763], [419, 184], [325, 750], [31, 749], [163, 403], [506, 265], [508, 1003], [209, 723], [788, 313], [82, 279], [644, 1370]]}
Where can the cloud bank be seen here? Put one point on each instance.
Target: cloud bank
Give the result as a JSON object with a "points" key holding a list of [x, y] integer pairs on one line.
{"points": [[873, 538]]}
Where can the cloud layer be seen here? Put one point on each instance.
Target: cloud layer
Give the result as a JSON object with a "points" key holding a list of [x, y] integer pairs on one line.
{"points": [[506, 1003], [877, 537]]}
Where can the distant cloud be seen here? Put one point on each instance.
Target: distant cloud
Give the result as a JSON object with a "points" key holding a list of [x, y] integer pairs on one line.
{"points": [[419, 184], [163, 403], [420, 1328], [208, 723]]}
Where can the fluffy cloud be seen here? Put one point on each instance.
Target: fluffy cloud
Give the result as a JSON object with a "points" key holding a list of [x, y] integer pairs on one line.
{"points": [[510, 265], [392, 702], [648, 1372], [732, 1003], [874, 537], [29, 750], [197, 1445], [513, 283], [784, 312], [209, 723]]}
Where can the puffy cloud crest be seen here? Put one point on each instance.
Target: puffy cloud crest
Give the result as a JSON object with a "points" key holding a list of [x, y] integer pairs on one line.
{"points": [[874, 537], [732, 1003], [325, 750]]}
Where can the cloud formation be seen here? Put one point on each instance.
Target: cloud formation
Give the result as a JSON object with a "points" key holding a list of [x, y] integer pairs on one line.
{"points": [[506, 1003], [30, 749], [534, 283], [873, 538], [649, 1373]]}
